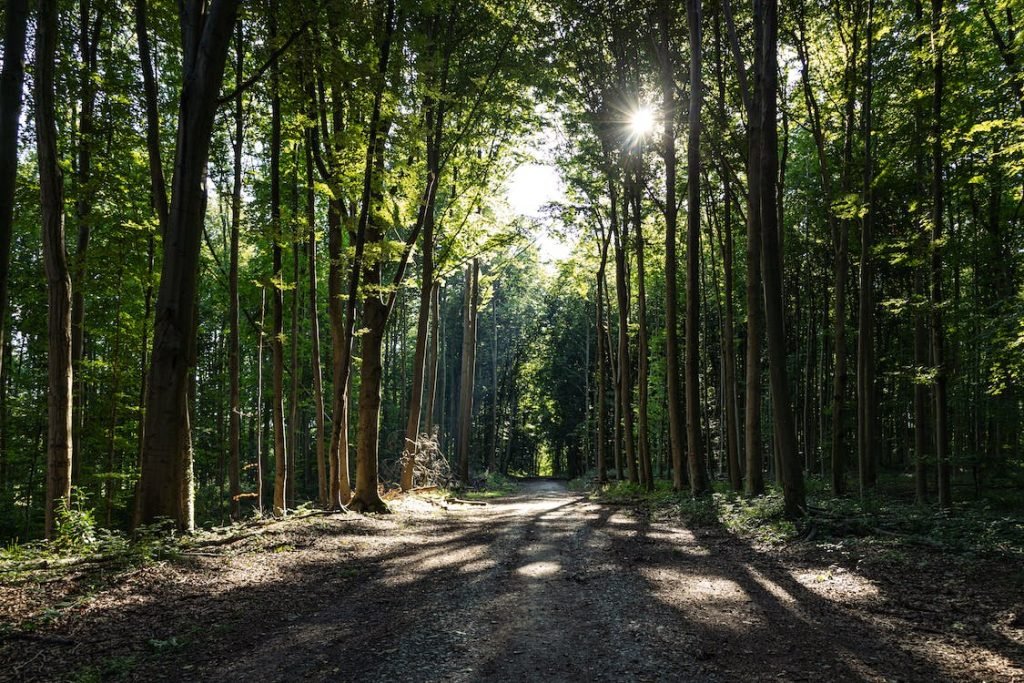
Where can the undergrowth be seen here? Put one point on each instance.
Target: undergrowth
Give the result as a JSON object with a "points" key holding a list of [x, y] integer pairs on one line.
{"points": [[492, 485], [969, 527]]}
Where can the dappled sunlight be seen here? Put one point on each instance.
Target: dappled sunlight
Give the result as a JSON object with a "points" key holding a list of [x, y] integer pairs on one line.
{"points": [[836, 583], [540, 569]]}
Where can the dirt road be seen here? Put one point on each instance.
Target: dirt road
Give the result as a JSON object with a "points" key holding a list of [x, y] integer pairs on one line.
{"points": [[541, 586]]}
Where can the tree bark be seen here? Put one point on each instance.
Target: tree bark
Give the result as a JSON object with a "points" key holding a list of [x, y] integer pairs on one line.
{"points": [[937, 329], [234, 351], [59, 452], [281, 451], [323, 489], [468, 371], [671, 211], [695, 448], [206, 37], [771, 259], [12, 80], [88, 46], [868, 441]]}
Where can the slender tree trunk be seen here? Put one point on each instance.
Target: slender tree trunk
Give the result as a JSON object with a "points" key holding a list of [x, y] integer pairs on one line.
{"points": [[602, 375], [234, 350], [695, 459], [754, 483], [435, 123], [58, 278], [281, 452], [868, 441], [922, 358], [937, 330], [841, 269], [468, 373], [12, 80], [643, 345], [730, 386], [292, 440], [431, 378], [668, 147], [492, 449], [625, 384], [88, 45], [323, 490]]}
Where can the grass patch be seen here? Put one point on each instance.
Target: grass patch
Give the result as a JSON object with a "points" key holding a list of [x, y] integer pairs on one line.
{"points": [[493, 485]]}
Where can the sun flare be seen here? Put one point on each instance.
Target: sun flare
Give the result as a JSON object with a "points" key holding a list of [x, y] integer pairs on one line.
{"points": [[641, 122]]}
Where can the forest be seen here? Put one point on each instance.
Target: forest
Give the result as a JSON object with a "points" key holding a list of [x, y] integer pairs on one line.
{"points": [[306, 258]]}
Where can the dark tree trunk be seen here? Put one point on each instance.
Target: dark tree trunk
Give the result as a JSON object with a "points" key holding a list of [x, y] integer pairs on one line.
{"points": [[323, 491], [694, 443], [937, 329], [88, 47], [12, 80], [234, 351], [58, 278], [867, 398], [468, 372], [281, 451], [206, 38], [771, 259]]}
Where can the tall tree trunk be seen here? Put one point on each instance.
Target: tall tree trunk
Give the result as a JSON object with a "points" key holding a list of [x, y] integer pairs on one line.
{"points": [[492, 449], [206, 38], [468, 372], [868, 441], [88, 46], [12, 80], [234, 350], [937, 329], [754, 483], [695, 459], [292, 440], [668, 148], [58, 278], [431, 378], [620, 232], [323, 492], [602, 374], [643, 345], [368, 496], [259, 400], [922, 358], [730, 386], [281, 452], [435, 125], [771, 259]]}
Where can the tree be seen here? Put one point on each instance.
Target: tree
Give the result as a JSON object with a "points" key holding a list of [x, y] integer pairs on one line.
{"points": [[59, 452], [206, 31]]}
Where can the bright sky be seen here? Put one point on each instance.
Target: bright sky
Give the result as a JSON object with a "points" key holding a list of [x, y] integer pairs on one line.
{"points": [[537, 183]]}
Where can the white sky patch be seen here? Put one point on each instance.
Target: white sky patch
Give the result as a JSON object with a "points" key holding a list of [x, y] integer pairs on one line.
{"points": [[537, 183]]}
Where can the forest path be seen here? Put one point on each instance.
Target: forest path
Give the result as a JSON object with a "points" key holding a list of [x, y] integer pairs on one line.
{"points": [[544, 585]]}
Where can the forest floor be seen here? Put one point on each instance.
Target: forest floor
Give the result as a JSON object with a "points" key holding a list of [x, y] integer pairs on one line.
{"points": [[541, 585]]}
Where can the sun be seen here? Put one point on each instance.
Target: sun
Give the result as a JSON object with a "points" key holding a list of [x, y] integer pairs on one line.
{"points": [[641, 122]]}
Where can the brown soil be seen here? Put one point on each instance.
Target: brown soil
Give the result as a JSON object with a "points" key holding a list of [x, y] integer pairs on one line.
{"points": [[541, 586]]}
